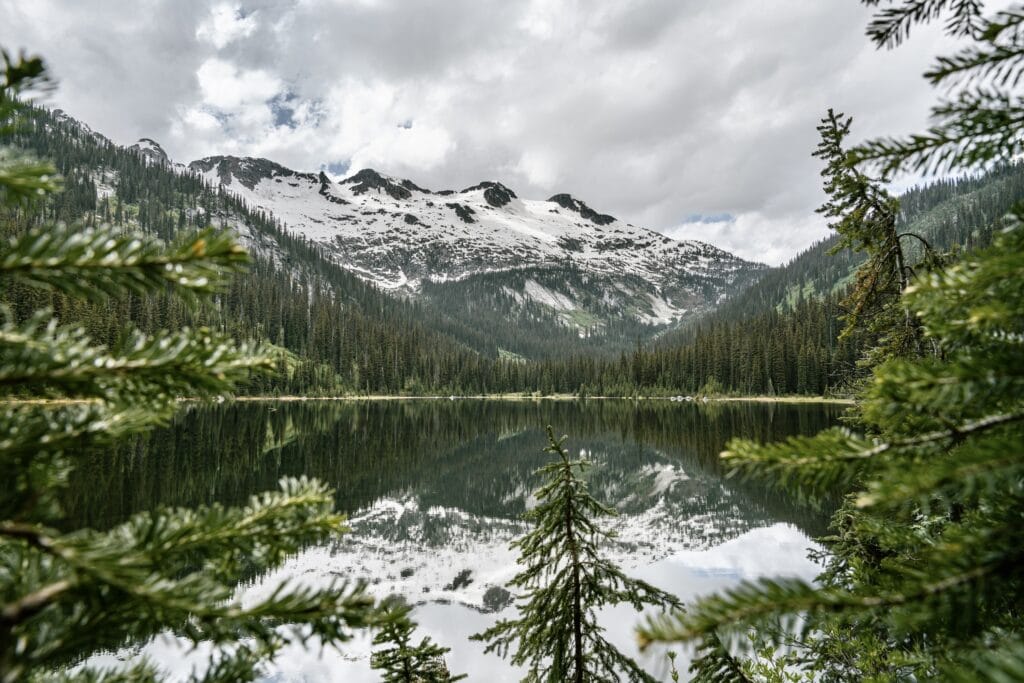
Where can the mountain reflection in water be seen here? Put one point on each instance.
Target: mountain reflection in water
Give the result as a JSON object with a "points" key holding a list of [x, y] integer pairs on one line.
{"points": [[434, 491]]}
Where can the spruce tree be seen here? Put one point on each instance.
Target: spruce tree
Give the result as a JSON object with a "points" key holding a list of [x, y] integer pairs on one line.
{"points": [[564, 581], [67, 593], [925, 575], [402, 661], [865, 215]]}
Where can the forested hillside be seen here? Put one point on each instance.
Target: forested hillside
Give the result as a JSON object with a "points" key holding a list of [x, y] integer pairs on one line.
{"points": [[781, 335], [957, 213], [338, 334]]}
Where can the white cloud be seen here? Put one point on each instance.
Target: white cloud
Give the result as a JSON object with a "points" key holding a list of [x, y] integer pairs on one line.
{"points": [[225, 24], [200, 120], [538, 167], [650, 110], [755, 236], [421, 147], [225, 86]]}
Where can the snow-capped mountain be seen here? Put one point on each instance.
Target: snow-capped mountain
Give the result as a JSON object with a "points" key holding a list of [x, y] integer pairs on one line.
{"points": [[402, 236]]}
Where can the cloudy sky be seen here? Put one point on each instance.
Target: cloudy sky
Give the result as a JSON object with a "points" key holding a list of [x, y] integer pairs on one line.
{"points": [[695, 118]]}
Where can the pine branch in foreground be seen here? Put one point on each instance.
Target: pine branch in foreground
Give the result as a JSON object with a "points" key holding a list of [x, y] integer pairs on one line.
{"points": [[923, 579], [91, 262], [67, 595]]}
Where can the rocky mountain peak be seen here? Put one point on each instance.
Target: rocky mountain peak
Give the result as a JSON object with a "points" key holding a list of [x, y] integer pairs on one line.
{"points": [[496, 194], [567, 201], [151, 151], [369, 179], [248, 171], [63, 118]]}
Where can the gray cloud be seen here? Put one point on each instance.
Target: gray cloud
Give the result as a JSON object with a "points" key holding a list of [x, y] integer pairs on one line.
{"points": [[657, 111]]}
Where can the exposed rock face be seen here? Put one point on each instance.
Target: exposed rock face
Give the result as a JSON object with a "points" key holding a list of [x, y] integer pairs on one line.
{"points": [[248, 171], [151, 151], [464, 212], [568, 202], [325, 190], [368, 179], [496, 194]]}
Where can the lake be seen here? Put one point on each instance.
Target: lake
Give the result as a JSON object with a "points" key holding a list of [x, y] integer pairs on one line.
{"points": [[434, 490]]}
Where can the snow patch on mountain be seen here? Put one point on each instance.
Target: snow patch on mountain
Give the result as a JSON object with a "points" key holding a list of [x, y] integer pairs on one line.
{"points": [[151, 151], [400, 235], [661, 312], [542, 294]]}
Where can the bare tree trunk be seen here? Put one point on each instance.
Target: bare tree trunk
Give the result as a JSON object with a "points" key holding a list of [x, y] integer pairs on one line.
{"points": [[577, 608]]}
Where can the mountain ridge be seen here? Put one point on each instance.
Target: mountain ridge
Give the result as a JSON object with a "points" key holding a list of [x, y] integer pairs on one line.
{"points": [[399, 235]]}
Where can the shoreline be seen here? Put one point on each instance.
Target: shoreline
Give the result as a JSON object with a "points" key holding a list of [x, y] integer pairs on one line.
{"points": [[475, 397]]}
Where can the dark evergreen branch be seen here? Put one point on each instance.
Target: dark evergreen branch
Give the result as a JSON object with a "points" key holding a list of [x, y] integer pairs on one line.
{"points": [[927, 245], [997, 663], [892, 25], [999, 59], [981, 470], [26, 430], [754, 600], [980, 127], [29, 605], [93, 262], [64, 361], [24, 179], [843, 445], [713, 663]]}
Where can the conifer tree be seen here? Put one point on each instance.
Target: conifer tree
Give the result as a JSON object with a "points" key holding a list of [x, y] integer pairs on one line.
{"points": [[402, 661], [926, 573], [66, 594], [864, 216], [565, 581]]}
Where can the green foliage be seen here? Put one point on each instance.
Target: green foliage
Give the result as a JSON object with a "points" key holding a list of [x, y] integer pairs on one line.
{"points": [[979, 122], [673, 672], [714, 664], [64, 595], [864, 215], [22, 177], [43, 358], [923, 578], [711, 387], [404, 662], [68, 259], [566, 581], [930, 546]]}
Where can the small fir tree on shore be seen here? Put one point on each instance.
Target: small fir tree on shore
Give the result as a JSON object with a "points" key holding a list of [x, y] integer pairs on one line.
{"points": [[403, 661], [565, 580]]}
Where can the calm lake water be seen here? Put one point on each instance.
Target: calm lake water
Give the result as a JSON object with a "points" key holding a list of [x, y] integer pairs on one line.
{"points": [[434, 491]]}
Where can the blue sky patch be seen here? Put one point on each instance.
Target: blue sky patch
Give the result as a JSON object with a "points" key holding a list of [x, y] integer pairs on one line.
{"points": [[337, 167], [709, 218]]}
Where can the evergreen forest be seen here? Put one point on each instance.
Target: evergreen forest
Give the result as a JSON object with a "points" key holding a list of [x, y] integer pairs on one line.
{"points": [[335, 334]]}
